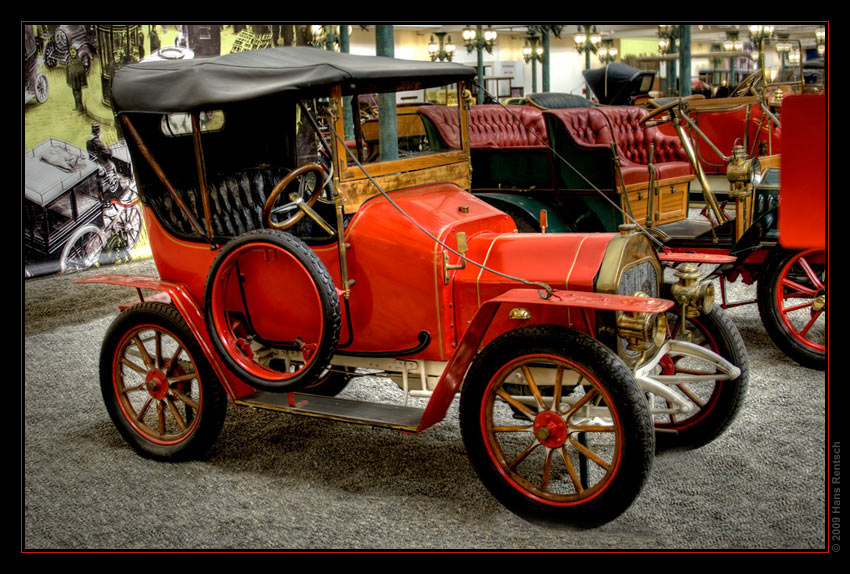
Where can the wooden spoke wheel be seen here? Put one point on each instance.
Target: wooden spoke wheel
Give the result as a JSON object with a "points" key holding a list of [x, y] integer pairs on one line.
{"points": [[556, 426], [158, 386]]}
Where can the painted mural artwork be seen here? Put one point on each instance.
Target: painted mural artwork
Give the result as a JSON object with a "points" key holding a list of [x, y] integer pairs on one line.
{"points": [[81, 207]]}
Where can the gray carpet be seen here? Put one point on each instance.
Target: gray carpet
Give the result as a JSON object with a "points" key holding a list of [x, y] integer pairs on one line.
{"points": [[282, 482]]}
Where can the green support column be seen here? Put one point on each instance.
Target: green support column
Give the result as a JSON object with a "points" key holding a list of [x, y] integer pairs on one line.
{"points": [[480, 68], [345, 47], [671, 75], [685, 60], [586, 67], [385, 46], [545, 59], [533, 74]]}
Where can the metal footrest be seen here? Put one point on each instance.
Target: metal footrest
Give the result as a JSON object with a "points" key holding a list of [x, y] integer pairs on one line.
{"points": [[359, 412]]}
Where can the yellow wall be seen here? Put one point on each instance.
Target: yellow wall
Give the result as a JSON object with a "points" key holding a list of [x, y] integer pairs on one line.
{"points": [[638, 46]]}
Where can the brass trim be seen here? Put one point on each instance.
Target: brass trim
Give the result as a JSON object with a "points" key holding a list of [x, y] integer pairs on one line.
{"points": [[708, 195], [519, 313], [462, 248], [625, 252], [481, 270], [573, 264]]}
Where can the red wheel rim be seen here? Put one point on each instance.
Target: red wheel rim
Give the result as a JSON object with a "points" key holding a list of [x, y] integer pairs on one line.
{"points": [[801, 299], [232, 333], [157, 385], [536, 407]]}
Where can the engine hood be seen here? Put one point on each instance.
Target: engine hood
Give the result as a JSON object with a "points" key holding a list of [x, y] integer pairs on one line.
{"points": [[562, 261], [600, 262]]}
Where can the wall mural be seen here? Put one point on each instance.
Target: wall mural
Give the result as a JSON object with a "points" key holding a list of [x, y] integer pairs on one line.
{"points": [[81, 207]]}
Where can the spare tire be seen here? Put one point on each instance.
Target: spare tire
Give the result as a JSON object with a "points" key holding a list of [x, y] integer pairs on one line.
{"points": [[272, 311]]}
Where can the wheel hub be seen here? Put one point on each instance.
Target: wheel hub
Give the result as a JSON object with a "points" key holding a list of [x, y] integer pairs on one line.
{"points": [[819, 304], [156, 384], [550, 429]]}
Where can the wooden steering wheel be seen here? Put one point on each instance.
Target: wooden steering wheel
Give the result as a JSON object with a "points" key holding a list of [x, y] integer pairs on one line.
{"points": [[296, 199], [751, 85], [666, 107]]}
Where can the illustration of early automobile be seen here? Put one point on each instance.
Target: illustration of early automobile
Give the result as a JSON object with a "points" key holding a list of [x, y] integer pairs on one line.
{"points": [[594, 168], [73, 209], [36, 86], [80, 37], [281, 274]]}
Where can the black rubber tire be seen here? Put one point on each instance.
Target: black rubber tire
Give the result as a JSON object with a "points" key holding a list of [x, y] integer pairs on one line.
{"points": [[138, 423], [811, 354], [631, 446], [269, 379], [721, 399]]}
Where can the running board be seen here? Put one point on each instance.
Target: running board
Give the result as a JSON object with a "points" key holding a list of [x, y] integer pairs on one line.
{"points": [[346, 410]]}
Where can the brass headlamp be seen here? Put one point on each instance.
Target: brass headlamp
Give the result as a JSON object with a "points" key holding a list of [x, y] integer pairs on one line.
{"points": [[740, 173], [693, 296], [642, 330]]}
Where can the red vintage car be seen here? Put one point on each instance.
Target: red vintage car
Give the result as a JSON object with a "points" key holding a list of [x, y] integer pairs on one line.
{"points": [[287, 264]]}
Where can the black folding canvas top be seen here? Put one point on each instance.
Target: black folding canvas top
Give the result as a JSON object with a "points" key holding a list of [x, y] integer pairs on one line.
{"points": [[183, 85], [616, 83]]}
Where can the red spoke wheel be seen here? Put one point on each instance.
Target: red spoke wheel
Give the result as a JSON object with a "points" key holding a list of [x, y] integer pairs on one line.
{"points": [[272, 311], [556, 426], [158, 387], [792, 304], [714, 404]]}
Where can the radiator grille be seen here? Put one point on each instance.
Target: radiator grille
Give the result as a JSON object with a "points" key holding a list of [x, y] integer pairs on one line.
{"points": [[641, 277]]}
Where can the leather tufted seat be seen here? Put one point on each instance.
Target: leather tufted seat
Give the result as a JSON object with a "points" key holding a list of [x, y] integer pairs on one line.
{"points": [[596, 128], [507, 154], [490, 126]]}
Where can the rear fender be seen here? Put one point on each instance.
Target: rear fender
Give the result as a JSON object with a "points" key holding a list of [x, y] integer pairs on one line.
{"points": [[494, 318], [178, 295]]}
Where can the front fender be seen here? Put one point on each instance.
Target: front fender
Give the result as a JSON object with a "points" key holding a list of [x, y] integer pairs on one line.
{"points": [[494, 315], [529, 207]]}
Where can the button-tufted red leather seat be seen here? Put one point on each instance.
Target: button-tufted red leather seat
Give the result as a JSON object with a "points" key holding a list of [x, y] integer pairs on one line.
{"points": [[595, 128], [490, 126]]}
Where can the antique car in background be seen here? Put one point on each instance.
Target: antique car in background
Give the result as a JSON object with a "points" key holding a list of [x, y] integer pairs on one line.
{"points": [[80, 37], [63, 211], [75, 211], [595, 168], [36, 86], [283, 272]]}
